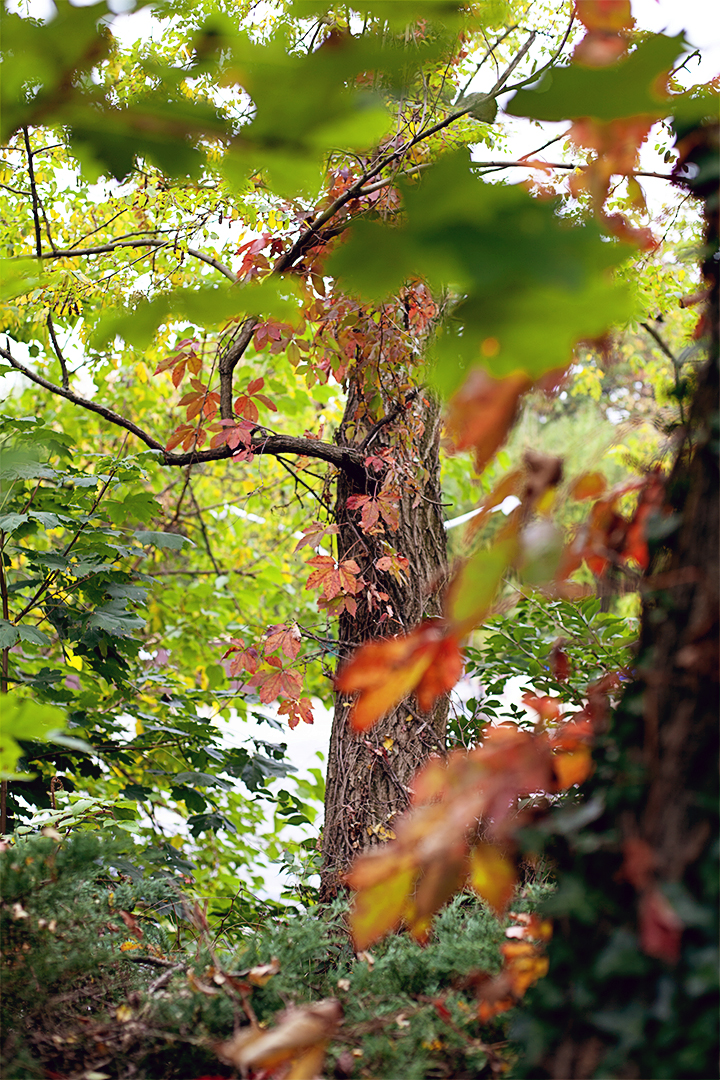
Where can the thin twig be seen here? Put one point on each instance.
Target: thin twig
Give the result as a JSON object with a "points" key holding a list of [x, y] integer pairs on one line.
{"points": [[58, 353], [33, 190], [114, 245]]}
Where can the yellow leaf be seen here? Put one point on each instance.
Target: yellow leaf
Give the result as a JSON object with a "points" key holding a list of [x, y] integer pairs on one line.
{"points": [[492, 876], [379, 909], [123, 1014]]}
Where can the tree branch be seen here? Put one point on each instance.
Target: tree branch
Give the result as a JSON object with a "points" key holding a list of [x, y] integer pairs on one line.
{"points": [[33, 191], [102, 249], [229, 361], [656, 337], [342, 457], [392, 415], [58, 353], [558, 165]]}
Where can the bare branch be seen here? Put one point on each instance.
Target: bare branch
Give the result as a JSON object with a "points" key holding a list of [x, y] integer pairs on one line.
{"points": [[558, 165], [58, 353], [33, 190], [102, 249], [550, 62], [229, 361], [656, 337]]}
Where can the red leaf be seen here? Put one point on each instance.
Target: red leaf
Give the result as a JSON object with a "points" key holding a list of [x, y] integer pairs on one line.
{"points": [[638, 863], [246, 407], [559, 662], [660, 927], [284, 638], [333, 577], [242, 659], [314, 534], [272, 683], [297, 711]]}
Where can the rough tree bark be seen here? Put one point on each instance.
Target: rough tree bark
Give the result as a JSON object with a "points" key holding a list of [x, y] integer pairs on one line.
{"points": [[369, 775], [652, 1009]]}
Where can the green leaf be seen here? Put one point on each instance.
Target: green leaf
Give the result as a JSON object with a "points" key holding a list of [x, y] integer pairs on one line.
{"points": [[31, 633], [528, 281], [19, 277], [10, 522], [24, 719], [9, 634], [173, 541], [609, 93]]}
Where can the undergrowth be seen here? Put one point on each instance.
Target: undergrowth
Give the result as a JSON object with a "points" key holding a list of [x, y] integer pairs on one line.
{"points": [[122, 977]]}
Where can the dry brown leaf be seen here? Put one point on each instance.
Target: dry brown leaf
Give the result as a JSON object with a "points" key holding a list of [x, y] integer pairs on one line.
{"points": [[300, 1037]]}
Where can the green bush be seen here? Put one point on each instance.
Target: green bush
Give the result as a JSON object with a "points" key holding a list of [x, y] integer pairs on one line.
{"points": [[88, 989]]}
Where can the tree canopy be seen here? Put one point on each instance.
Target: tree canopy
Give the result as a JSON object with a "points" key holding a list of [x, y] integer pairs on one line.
{"points": [[283, 310]]}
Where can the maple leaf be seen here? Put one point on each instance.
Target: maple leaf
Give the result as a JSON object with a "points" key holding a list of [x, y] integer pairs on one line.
{"points": [[284, 638], [333, 577], [297, 710]]}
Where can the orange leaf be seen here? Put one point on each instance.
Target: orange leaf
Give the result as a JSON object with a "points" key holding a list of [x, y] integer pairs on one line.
{"points": [[589, 485], [442, 674], [333, 577], [547, 707], [379, 908], [524, 964], [385, 672], [491, 875], [482, 412], [572, 767], [297, 711]]}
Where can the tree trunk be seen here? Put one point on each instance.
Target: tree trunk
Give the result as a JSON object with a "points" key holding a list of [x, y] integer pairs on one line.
{"points": [[369, 775], [632, 987]]}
